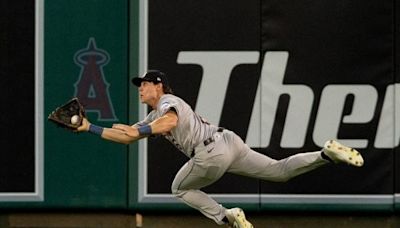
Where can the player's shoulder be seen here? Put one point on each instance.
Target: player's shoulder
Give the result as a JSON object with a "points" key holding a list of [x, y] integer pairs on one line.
{"points": [[169, 98], [168, 101]]}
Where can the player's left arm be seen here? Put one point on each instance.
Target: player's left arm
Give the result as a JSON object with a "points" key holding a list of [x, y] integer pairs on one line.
{"points": [[161, 125]]}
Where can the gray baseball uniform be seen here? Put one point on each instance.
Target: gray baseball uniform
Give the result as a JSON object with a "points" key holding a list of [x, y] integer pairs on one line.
{"points": [[214, 151]]}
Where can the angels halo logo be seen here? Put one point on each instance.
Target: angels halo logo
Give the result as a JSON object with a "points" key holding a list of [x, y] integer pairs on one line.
{"points": [[92, 87]]}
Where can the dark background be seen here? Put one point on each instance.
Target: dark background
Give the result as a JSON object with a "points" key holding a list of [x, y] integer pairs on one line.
{"points": [[17, 84]]}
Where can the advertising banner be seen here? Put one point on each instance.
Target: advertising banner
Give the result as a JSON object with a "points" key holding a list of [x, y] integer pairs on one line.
{"points": [[285, 76]]}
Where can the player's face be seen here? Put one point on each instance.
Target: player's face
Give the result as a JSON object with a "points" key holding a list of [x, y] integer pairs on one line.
{"points": [[148, 93]]}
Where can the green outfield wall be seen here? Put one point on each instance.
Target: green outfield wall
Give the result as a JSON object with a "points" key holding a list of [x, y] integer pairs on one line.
{"points": [[85, 54]]}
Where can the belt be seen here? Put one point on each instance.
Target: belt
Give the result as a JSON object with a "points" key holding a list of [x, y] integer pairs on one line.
{"points": [[208, 141]]}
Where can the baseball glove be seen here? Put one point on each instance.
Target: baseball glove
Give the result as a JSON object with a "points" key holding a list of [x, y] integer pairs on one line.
{"points": [[68, 115]]}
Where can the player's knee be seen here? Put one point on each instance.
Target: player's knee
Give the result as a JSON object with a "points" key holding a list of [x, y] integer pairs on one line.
{"points": [[176, 192], [179, 193]]}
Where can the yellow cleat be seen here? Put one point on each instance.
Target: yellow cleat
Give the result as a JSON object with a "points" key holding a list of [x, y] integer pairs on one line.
{"points": [[237, 219], [340, 153]]}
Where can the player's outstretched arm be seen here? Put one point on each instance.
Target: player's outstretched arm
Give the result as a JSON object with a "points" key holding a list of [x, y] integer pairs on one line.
{"points": [[126, 134]]}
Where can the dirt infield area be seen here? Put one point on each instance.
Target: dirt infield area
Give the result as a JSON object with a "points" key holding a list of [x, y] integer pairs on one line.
{"points": [[192, 220]]}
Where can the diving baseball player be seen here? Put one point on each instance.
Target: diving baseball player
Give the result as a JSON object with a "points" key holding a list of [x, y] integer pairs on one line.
{"points": [[212, 151]]}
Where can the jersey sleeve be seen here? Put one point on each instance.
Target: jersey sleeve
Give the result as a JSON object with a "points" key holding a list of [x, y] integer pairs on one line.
{"points": [[168, 103]]}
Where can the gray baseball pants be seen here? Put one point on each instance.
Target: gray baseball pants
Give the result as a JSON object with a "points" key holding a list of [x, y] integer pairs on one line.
{"points": [[230, 154]]}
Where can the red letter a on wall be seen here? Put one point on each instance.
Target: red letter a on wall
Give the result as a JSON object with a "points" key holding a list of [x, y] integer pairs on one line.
{"points": [[91, 87]]}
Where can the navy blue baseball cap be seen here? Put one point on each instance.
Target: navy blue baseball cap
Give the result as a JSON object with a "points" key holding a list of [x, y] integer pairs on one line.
{"points": [[154, 76]]}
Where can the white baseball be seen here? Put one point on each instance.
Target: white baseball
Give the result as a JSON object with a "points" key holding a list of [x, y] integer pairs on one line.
{"points": [[75, 119]]}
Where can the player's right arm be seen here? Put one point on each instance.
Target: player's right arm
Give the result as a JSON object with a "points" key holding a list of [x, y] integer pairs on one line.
{"points": [[159, 126]]}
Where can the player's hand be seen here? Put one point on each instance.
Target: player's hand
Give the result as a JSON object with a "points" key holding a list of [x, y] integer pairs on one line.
{"points": [[127, 130], [84, 126]]}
